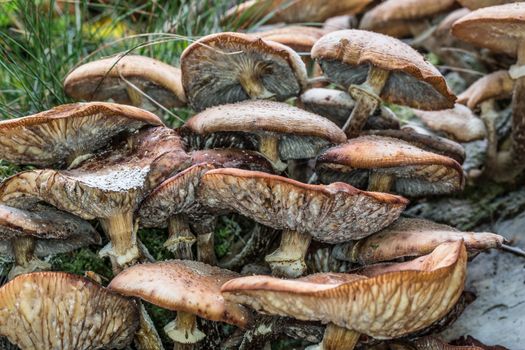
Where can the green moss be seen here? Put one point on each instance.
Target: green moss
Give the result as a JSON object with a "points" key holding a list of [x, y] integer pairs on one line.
{"points": [[154, 239], [80, 261]]}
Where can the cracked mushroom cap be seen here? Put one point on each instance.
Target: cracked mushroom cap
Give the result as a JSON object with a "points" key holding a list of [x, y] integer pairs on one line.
{"points": [[458, 123], [56, 310], [346, 55], [411, 238], [61, 134], [108, 78], [333, 214], [417, 172], [302, 134], [383, 301], [299, 38], [183, 285], [495, 85], [498, 28], [477, 4], [231, 67], [54, 231]]}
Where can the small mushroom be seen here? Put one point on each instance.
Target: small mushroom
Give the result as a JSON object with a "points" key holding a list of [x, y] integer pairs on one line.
{"points": [[284, 132], [67, 134], [27, 235], [382, 301], [231, 67], [189, 287], [375, 67], [388, 164], [332, 214], [56, 310], [131, 79], [412, 238]]}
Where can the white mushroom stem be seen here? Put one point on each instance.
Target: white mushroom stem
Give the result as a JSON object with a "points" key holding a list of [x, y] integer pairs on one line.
{"points": [[180, 238], [380, 182], [269, 147], [25, 259], [367, 100], [338, 338], [288, 259], [183, 330]]}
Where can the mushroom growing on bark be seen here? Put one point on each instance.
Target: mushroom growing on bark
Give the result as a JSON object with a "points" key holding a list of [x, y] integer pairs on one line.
{"points": [[375, 68], [56, 310], [284, 132], [501, 29], [67, 134], [231, 67], [388, 164], [131, 79], [382, 301], [333, 214], [27, 235], [189, 287]]}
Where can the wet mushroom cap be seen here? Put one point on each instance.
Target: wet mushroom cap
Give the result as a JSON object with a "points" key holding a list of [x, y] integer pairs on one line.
{"points": [[183, 285], [477, 4], [334, 213], [107, 78], [417, 172], [214, 67], [495, 85], [56, 310], [299, 38], [498, 28], [346, 55], [55, 136], [382, 301], [303, 133], [460, 123]]}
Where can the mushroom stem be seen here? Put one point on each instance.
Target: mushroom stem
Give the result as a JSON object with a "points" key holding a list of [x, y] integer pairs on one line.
{"points": [[380, 182], [288, 259], [518, 115], [253, 87], [183, 330], [180, 238], [205, 230], [338, 338], [269, 147], [25, 259], [147, 337], [489, 117], [367, 100], [76, 158]]}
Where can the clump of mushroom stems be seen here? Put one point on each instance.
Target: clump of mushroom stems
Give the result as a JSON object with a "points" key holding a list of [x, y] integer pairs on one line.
{"points": [[288, 259], [25, 259], [184, 331]]}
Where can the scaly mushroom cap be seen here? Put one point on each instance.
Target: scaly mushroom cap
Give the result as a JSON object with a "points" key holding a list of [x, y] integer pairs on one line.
{"points": [[383, 301], [346, 55], [498, 28], [183, 285], [458, 123], [108, 184], [215, 67], [416, 237], [59, 135], [495, 85], [333, 214], [232, 158], [54, 231], [303, 133], [299, 38], [433, 343], [56, 310], [417, 172], [477, 4], [108, 78]]}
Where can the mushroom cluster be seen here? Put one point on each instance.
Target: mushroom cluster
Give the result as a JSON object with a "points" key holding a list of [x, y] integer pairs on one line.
{"points": [[326, 169]]}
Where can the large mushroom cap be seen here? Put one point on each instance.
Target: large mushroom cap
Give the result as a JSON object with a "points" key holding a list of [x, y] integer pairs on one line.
{"points": [[61, 134], [333, 213], [495, 85], [346, 55], [477, 4], [55, 310], [417, 172], [383, 301], [299, 38], [183, 285], [498, 28], [112, 78], [232, 67]]}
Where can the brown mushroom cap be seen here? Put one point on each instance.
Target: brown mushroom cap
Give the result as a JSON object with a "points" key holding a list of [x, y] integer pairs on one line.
{"points": [[345, 57], [495, 85], [334, 213], [232, 158], [64, 132], [498, 28], [56, 310], [477, 4], [183, 285], [299, 38], [417, 172], [105, 79], [383, 301], [460, 123], [214, 67]]}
